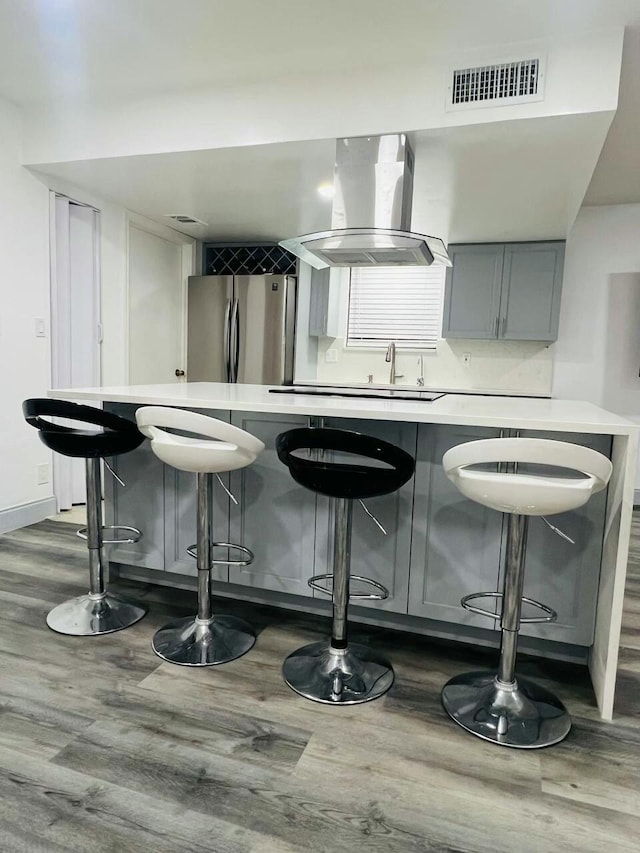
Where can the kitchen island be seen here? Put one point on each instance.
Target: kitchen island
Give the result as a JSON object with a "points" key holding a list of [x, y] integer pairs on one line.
{"points": [[439, 546]]}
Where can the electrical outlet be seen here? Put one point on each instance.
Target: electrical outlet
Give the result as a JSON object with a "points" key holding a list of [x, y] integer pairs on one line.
{"points": [[331, 356], [43, 473], [466, 358]]}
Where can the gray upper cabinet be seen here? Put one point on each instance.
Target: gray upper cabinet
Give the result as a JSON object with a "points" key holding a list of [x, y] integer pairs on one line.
{"points": [[531, 289], [472, 291], [275, 517], [373, 555], [504, 291]]}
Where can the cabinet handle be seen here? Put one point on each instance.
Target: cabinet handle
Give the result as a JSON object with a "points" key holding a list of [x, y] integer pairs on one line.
{"points": [[504, 325], [495, 334]]}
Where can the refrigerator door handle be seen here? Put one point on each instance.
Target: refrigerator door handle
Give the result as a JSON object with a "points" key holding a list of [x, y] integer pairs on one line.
{"points": [[235, 341], [227, 341]]}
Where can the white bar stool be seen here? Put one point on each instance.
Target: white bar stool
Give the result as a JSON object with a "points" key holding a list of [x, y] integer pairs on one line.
{"points": [[206, 639], [500, 708]]}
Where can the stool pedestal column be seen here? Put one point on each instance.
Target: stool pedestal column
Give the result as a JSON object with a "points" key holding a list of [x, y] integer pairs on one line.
{"points": [[97, 612], [336, 672], [207, 639], [500, 708]]}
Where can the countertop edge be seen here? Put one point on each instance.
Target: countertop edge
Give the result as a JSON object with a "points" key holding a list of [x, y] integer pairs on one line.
{"points": [[439, 411]]}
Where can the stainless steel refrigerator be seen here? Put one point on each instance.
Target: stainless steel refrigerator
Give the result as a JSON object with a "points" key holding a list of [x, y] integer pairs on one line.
{"points": [[240, 328]]}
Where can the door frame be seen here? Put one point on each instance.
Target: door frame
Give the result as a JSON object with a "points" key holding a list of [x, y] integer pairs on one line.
{"points": [[188, 267], [60, 314]]}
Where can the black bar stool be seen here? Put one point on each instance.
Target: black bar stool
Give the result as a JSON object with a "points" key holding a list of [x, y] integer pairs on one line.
{"points": [[98, 612], [333, 671]]}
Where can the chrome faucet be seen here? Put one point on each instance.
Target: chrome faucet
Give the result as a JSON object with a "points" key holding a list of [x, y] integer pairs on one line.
{"points": [[390, 358]]}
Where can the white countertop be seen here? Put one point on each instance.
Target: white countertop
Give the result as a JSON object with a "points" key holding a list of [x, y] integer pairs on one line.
{"points": [[509, 412]]}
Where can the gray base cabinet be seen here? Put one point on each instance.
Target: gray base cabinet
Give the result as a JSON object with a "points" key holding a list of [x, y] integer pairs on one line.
{"points": [[562, 575], [275, 517], [457, 543], [373, 555], [440, 546], [140, 503], [161, 502], [458, 546]]}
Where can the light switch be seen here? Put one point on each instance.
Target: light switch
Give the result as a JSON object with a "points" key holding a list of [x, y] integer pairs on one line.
{"points": [[41, 327], [331, 356]]}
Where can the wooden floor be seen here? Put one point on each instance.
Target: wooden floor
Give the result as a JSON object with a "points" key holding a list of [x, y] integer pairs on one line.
{"points": [[104, 748]]}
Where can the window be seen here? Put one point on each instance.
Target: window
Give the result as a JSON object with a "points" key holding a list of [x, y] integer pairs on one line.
{"points": [[401, 304]]}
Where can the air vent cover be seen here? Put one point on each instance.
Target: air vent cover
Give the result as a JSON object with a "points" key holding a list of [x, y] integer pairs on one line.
{"points": [[184, 219], [504, 82]]}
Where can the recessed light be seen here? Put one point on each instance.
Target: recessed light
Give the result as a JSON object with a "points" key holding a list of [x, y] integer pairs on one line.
{"points": [[326, 190]]}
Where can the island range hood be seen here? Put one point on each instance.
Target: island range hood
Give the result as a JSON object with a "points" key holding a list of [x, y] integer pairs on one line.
{"points": [[371, 212]]}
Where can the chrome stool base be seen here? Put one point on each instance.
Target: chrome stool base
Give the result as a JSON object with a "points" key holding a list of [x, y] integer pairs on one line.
{"points": [[521, 715], [203, 642], [338, 676], [90, 615]]}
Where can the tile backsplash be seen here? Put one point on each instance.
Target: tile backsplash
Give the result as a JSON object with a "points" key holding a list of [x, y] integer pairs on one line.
{"points": [[521, 367]]}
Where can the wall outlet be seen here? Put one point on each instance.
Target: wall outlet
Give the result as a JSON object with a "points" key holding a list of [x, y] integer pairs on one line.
{"points": [[43, 473], [466, 358], [331, 356]]}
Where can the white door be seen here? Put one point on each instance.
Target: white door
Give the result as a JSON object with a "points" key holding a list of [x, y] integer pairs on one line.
{"points": [[157, 306], [75, 322]]}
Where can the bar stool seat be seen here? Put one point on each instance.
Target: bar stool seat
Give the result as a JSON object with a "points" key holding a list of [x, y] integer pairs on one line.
{"points": [[97, 612], [206, 639], [336, 672], [500, 708]]}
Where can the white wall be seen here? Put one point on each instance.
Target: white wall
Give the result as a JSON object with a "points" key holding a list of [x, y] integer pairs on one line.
{"points": [[24, 288], [597, 354], [604, 241], [582, 77]]}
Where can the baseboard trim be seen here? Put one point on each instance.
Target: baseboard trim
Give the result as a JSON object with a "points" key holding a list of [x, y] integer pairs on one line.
{"points": [[636, 497], [20, 516]]}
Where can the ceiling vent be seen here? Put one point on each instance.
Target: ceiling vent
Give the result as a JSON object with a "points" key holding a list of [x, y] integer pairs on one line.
{"points": [[184, 220], [517, 82]]}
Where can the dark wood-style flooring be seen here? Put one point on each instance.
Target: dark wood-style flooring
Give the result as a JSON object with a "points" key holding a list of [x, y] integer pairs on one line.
{"points": [[105, 748]]}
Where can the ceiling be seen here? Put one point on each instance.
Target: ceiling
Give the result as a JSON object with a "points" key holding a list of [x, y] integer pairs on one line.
{"points": [[510, 180], [57, 52]]}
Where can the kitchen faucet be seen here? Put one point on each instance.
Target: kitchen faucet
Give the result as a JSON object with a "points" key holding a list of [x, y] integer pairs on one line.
{"points": [[390, 358]]}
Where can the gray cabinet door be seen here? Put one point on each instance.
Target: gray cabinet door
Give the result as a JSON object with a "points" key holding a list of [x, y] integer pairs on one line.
{"points": [[373, 555], [275, 517], [457, 544], [562, 575], [472, 291], [180, 517], [531, 288], [140, 503]]}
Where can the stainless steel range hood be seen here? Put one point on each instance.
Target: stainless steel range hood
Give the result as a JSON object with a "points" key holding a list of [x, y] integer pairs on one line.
{"points": [[371, 212]]}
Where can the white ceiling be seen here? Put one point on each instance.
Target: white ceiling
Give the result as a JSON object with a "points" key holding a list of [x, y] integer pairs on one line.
{"points": [[510, 180], [54, 52]]}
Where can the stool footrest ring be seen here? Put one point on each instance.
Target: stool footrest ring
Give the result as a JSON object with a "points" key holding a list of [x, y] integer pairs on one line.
{"points": [[550, 617], [135, 537], [249, 556], [356, 596]]}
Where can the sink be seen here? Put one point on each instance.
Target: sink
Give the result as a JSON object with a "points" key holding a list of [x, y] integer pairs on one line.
{"points": [[363, 393]]}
